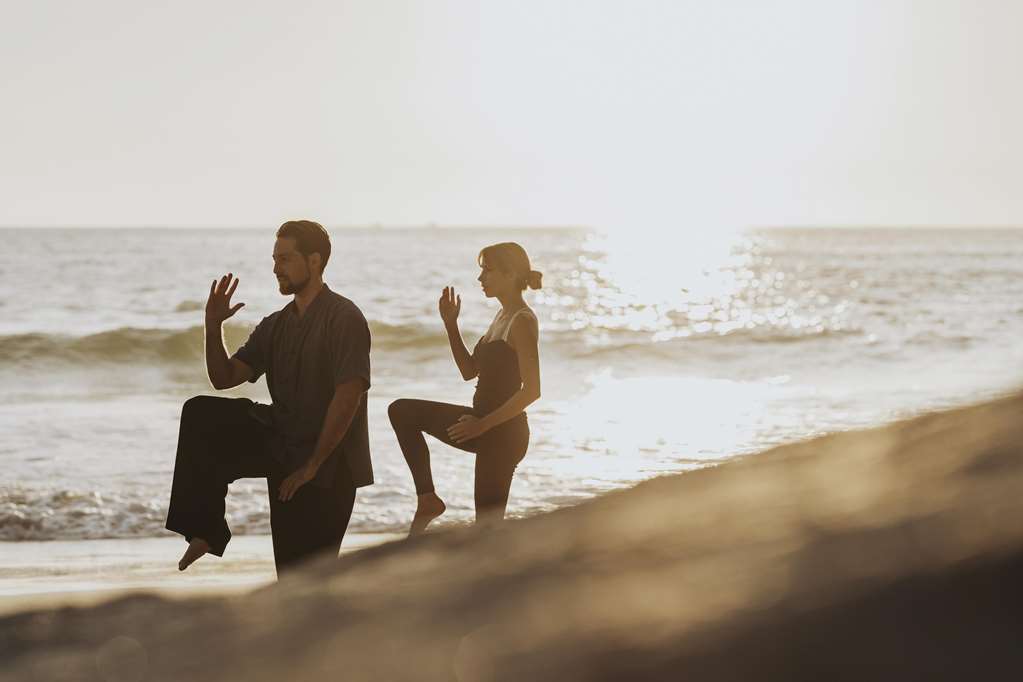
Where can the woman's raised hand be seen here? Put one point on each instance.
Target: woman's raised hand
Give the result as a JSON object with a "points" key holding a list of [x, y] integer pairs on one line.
{"points": [[449, 305], [218, 305]]}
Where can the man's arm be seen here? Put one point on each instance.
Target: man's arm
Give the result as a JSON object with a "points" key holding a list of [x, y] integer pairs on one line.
{"points": [[224, 372], [335, 425]]}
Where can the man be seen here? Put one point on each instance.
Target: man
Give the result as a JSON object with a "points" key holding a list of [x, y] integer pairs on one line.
{"points": [[311, 443]]}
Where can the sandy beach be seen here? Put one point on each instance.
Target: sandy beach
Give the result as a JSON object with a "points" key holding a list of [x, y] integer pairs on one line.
{"points": [[56, 574], [887, 554]]}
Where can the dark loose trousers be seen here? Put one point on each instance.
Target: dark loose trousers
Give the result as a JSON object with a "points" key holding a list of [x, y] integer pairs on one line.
{"points": [[219, 442], [498, 451]]}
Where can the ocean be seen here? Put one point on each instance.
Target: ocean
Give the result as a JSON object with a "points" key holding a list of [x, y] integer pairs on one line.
{"points": [[659, 354]]}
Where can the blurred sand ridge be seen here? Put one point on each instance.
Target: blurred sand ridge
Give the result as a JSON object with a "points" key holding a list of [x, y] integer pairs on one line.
{"points": [[891, 553]]}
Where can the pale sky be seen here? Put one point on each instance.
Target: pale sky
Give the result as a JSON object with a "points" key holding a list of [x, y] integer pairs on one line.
{"points": [[625, 115]]}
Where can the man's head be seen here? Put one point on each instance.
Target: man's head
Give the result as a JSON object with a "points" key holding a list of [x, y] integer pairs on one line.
{"points": [[301, 253]]}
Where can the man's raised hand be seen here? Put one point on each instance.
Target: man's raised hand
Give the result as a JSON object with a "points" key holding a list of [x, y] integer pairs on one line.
{"points": [[218, 305]]}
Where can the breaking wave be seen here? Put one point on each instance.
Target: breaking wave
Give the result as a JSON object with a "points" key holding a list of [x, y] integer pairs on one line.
{"points": [[156, 346]]}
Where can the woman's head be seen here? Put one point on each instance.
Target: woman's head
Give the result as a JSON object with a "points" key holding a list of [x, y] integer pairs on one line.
{"points": [[506, 269]]}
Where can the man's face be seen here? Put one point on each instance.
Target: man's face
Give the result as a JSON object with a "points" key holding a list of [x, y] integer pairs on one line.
{"points": [[290, 266]]}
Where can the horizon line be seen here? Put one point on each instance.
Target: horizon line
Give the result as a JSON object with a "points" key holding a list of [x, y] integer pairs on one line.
{"points": [[358, 226], [441, 226]]}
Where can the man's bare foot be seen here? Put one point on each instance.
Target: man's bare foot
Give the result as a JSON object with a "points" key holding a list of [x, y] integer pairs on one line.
{"points": [[196, 548], [428, 507]]}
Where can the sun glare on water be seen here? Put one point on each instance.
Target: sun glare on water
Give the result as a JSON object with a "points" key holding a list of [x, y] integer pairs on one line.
{"points": [[635, 293], [627, 429], [655, 284]]}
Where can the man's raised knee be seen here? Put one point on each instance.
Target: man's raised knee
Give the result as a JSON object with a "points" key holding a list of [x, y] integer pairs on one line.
{"points": [[195, 405]]}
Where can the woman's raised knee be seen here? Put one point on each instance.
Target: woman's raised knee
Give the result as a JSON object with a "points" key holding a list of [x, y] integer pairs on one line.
{"points": [[398, 411]]}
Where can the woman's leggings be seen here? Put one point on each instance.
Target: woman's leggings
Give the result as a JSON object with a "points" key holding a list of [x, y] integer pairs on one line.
{"points": [[498, 451]]}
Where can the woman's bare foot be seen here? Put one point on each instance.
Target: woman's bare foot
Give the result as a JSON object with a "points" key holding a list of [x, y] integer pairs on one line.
{"points": [[196, 548], [428, 507]]}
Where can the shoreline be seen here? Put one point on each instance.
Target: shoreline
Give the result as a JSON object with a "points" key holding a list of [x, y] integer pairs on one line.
{"points": [[51, 574]]}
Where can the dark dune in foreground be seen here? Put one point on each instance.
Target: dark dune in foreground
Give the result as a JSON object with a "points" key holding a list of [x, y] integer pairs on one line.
{"points": [[894, 553]]}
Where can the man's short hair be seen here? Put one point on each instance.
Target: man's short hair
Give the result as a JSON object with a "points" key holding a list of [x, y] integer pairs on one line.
{"points": [[310, 238]]}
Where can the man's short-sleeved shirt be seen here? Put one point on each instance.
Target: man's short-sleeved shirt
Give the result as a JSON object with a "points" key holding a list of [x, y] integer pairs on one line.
{"points": [[305, 358]]}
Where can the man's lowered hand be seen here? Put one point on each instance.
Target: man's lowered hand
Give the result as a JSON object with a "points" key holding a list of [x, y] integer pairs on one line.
{"points": [[293, 482]]}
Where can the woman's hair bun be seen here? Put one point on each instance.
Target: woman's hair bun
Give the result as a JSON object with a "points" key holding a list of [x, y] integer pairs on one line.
{"points": [[535, 280]]}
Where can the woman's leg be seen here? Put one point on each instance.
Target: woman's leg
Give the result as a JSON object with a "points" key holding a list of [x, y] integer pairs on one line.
{"points": [[411, 419], [496, 461]]}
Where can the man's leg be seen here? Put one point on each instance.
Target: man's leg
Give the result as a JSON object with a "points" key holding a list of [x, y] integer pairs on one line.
{"points": [[311, 522], [218, 442]]}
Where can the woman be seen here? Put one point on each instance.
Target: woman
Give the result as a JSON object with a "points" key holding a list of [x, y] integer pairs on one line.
{"points": [[506, 360]]}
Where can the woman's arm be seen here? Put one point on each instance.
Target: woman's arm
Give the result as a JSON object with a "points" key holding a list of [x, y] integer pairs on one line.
{"points": [[449, 306], [523, 337]]}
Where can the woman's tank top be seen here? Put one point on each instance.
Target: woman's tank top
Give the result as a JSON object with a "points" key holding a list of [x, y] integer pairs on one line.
{"points": [[498, 365]]}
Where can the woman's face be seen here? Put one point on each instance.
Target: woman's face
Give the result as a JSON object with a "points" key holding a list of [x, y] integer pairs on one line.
{"points": [[495, 282]]}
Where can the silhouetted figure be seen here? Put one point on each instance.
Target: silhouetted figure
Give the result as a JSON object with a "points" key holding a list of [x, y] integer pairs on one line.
{"points": [[506, 360], [311, 443]]}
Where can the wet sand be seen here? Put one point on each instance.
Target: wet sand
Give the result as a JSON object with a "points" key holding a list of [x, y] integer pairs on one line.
{"points": [[38, 575]]}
